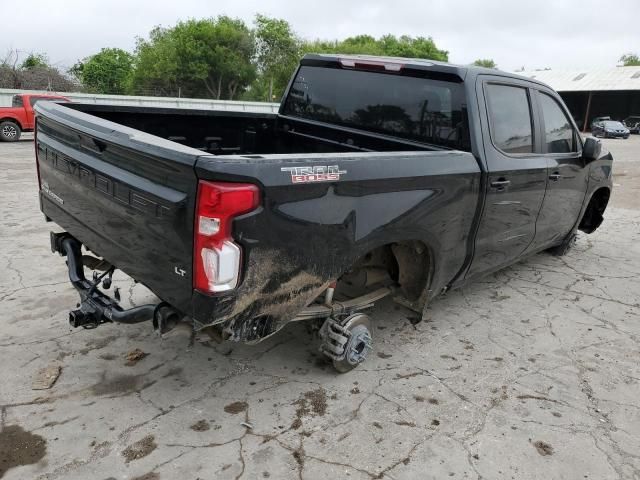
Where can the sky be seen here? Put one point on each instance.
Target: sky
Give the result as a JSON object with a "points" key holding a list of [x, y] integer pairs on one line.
{"points": [[560, 34]]}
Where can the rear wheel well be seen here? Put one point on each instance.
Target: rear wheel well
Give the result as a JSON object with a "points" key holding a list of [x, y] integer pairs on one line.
{"points": [[593, 215], [12, 120], [406, 264]]}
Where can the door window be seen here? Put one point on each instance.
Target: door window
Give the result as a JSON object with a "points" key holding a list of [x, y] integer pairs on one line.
{"points": [[510, 118], [558, 132]]}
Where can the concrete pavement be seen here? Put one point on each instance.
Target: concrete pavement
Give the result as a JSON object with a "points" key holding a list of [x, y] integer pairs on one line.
{"points": [[531, 373]]}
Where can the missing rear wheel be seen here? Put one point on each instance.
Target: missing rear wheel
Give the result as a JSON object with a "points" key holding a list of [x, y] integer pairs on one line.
{"points": [[348, 342]]}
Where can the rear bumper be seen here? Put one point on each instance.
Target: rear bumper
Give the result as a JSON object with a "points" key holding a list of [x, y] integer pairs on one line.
{"points": [[616, 135]]}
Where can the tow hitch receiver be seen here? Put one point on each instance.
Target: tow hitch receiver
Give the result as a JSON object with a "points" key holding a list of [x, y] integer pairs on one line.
{"points": [[95, 307]]}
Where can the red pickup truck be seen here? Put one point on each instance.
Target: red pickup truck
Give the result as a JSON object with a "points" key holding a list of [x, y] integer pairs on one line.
{"points": [[19, 116]]}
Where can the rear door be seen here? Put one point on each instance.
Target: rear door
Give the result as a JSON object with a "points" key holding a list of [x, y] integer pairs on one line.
{"points": [[126, 195], [517, 175], [567, 170]]}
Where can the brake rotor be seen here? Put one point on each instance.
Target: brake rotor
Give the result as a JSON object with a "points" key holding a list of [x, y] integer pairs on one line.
{"points": [[359, 343]]}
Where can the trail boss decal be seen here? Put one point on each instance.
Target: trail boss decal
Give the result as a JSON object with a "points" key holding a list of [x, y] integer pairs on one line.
{"points": [[316, 173]]}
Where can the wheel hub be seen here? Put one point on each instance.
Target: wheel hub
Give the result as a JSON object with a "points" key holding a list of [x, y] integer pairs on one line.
{"points": [[9, 131], [347, 342], [358, 346]]}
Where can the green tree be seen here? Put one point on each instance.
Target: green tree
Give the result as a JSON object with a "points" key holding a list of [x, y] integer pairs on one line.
{"points": [[201, 58], [277, 54], [485, 62], [156, 65], [630, 60], [108, 71], [413, 47], [360, 44], [390, 45], [35, 60]]}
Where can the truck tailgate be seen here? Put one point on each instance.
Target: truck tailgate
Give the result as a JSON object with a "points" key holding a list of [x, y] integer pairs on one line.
{"points": [[126, 195]]}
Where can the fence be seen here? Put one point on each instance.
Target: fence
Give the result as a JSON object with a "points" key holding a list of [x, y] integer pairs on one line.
{"points": [[195, 103]]}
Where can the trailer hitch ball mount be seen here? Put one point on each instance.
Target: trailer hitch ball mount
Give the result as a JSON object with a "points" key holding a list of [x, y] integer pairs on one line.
{"points": [[95, 307]]}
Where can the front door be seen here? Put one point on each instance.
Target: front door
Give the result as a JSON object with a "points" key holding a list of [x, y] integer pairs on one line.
{"points": [[517, 175], [567, 172]]}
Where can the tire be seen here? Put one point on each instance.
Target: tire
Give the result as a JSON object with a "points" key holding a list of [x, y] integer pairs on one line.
{"points": [[566, 245], [10, 131]]}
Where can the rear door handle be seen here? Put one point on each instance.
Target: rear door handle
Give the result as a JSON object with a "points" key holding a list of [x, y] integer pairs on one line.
{"points": [[555, 176], [501, 183]]}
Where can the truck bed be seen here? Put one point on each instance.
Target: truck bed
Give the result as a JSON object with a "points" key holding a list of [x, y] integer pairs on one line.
{"points": [[123, 181], [228, 133]]}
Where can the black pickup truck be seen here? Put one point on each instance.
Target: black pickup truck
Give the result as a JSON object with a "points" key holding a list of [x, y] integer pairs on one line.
{"points": [[378, 176]]}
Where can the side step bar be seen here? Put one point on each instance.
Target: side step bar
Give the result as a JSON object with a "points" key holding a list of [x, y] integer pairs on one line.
{"points": [[95, 307]]}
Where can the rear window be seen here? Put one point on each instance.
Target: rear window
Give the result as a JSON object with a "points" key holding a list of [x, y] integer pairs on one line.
{"points": [[17, 101], [420, 109]]}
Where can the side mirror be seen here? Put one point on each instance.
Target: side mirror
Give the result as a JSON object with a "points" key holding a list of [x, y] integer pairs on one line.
{"points": [[591, 149]]}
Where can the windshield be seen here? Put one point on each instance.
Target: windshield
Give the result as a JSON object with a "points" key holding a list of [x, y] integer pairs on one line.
{"points": [[419, 109], [610, 124]]}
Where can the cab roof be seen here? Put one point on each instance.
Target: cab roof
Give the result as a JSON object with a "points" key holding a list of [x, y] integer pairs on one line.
{"points": [[463, 72]]}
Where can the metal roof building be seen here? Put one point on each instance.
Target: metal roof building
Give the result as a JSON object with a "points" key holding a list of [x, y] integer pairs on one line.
{"points": [[593, 93]]}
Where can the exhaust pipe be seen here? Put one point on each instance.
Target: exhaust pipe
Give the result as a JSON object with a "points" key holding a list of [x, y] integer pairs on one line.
{"points": [[165, 318]]}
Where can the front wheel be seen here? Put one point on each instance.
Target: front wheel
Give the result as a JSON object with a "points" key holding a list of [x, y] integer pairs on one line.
{"points": [[9, 131]]}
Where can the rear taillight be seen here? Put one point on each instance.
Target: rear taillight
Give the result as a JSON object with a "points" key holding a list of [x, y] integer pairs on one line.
{"points": [[216, 257]]}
